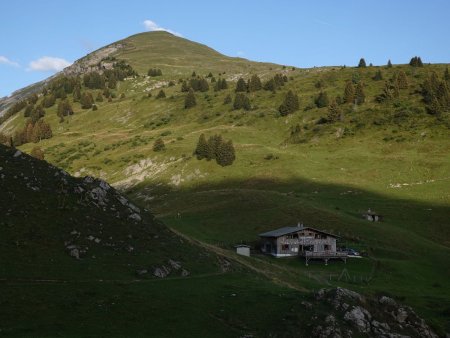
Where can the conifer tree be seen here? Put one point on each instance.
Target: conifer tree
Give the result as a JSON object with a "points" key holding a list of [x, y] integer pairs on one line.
{"points": [[359, 93], [390, 91], [270, 85], [334, 112], [362, 63], [378, 75], [112, 82], [159, 145], [402, 80], [161, 94], [322, 100], [28, 110], [64, 109], [416, 61], [86, 100], [349, 92], [202, 150], [241, 86], [189, 100], [241, 101], [214, 143], [389, 64], [49, 100], [223, 84], [290, 104], [203, 85], [225, 153], [254, 83], [37, 113], [154, 72]]}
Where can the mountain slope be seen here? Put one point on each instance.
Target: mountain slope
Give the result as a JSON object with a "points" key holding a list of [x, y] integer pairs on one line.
{"points": [[390, 156], [179, 57]]}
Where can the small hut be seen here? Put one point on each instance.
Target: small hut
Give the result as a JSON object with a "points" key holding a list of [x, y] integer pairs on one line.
{"points": [[372, 216], [243, 250]]}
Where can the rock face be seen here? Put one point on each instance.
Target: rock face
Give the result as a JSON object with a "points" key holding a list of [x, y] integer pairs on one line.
{"points": [[350, 314]]}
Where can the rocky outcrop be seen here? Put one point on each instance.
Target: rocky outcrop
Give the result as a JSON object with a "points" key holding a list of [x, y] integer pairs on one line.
{"points": [[352, 315]]}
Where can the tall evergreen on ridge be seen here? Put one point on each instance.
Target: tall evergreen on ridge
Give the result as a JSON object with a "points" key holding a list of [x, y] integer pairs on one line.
{"points": [[416, 61], [389, 64], [362, 63]]}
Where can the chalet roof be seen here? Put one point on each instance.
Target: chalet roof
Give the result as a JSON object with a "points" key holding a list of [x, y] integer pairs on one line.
{"points": [[288, 230]]}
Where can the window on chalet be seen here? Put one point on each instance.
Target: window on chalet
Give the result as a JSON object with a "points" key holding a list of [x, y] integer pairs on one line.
{"points": [[285, 247]]}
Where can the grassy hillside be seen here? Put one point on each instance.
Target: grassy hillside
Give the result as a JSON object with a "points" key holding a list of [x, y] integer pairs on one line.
{"points": [[177, 56], [391, 157]]}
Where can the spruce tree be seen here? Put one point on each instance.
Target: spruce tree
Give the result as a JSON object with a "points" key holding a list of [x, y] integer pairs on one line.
{"points": [[49, 100], [349, 93], [254, 83], [334, 112], [362, 63], [241, 86], [203, 85], [378, 75], [189, 100], [402, 80], [241, 101], [112, 82], [202, 150], [161, 94], [290, 104], [270, 85], [64, 108], [225, 153], [223, 84], [322, 100], [86, 100], [159, 145], [359, 93]]}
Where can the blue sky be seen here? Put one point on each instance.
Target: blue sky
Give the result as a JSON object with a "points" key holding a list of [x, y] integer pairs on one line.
{"points": [[39, 37]]}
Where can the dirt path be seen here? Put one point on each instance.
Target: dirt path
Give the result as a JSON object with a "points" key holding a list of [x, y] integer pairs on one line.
{"points": [[268, 270]]}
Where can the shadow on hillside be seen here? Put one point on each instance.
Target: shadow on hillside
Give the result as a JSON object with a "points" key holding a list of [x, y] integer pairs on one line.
{"points": [[263, 204]]}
